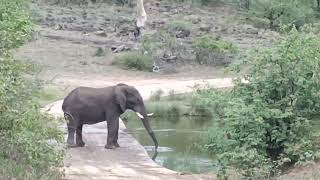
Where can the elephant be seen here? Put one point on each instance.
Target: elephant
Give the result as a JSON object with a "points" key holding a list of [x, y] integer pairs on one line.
{"points": [[87, 105]]}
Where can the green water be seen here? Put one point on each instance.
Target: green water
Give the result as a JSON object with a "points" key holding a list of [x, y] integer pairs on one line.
{"points": [[179, 141]]}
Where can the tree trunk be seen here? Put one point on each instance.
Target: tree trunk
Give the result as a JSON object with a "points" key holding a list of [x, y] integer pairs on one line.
{"points": [[141, 19]]}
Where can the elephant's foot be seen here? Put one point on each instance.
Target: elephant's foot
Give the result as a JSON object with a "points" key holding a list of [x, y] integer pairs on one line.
{"points": [[116, 144], [81, 144], [108, 146], [71, 145]]}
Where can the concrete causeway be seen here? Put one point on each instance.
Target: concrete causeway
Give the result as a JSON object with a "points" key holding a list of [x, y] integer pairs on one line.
{"points": [[131, 160]]}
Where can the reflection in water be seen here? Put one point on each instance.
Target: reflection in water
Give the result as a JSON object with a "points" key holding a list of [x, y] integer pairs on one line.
{"points": [[177, 142], [160, 149]]}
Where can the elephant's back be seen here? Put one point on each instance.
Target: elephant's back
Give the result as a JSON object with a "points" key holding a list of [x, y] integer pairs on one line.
{"points": [[83, 97]]}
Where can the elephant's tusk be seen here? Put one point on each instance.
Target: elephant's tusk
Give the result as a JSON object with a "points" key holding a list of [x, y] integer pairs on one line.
{"points": [[140, 116]]}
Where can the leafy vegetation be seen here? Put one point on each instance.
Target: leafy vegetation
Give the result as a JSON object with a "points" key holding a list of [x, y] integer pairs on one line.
{"points": [[100, 52], [213, 50], [286, 12], [152, 44], [15, 24], [49, 95], [265, 122], [215, 44], [28, 142], [179, 25], [151, 48], [134, 60]]}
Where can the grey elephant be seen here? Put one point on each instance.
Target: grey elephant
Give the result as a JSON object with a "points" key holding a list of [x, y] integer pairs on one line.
{"points": [[85, 105]]}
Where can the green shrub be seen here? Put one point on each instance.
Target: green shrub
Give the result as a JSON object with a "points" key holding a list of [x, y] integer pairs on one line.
{"points": [[15, 24], [286, 12], [179, 25], [166, 109], [152, 44], [28, 138], [156, 96], [213, 50], [100, 52], [49, 95], [215, 44], [265, 123], [135, 61], [25, 152]]}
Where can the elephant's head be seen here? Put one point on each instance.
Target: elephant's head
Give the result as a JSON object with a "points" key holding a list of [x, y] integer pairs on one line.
{"points": [[128, 97]]}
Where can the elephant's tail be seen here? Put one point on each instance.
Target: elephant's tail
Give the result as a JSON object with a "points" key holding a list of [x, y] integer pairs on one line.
{"points": [[69, 118]]}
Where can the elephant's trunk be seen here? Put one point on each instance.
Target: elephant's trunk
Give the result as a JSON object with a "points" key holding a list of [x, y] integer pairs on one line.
{"points": [[146, 124]]}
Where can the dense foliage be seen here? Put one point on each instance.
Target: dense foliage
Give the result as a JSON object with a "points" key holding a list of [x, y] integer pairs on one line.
{"points": [[287, 12], [265, 121], [25, 134], [15, 25]]}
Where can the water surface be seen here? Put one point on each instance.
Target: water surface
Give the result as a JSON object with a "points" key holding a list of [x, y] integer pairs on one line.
{"points": [[178, 141]]}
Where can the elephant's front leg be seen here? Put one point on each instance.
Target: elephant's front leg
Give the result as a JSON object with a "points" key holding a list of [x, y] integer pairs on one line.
{"points": [[115, 140], [113, 126], [79, 141]]}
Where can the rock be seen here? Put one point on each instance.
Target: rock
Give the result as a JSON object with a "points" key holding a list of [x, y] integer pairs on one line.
{"points": [[50, 18], [158, 24], [101, 33], [83, 63], [252, 31], [58, 27], [120, 49], [194, 19], [205, 28], [184, 173], [183, 33], [125, 29]]}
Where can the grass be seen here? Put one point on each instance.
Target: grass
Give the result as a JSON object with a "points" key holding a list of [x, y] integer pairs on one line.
{"points": [[179, 25], [49, 95], [134, 60], [156, 96], [215, 44], [100, 52], [172, 106]]}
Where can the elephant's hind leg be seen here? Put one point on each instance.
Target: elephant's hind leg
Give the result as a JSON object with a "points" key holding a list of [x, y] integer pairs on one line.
{"points": [[71, 131], [71, 124], [79, 141]]}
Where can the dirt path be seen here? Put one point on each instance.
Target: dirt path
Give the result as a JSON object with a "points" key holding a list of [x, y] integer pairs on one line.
{"points": [[131, 161]]}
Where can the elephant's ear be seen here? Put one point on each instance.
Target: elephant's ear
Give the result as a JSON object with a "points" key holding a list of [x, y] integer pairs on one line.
{"points": [[121, 99]]}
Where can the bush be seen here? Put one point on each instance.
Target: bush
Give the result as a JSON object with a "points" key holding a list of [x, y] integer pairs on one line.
{"points": [[213, 50], [134, 60], [15, 24], [179, 25], [156, 95], [28, 142], [215, 44], [153, 44], [265, 123], [25, 152], [285, 12]]}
